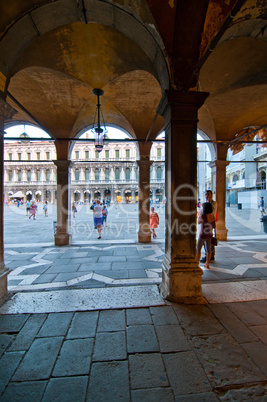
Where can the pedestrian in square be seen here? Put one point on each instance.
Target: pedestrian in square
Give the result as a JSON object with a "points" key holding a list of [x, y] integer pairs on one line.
{"points": [[206, 220], [98, 217], [154, 221]]}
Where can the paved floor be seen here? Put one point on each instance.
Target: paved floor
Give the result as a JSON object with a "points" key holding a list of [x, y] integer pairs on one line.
{"points": [[87, 322]]}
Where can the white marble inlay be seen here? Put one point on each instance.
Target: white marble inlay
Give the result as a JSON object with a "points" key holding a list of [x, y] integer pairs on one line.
{"points": [[229, 292], [83, 299]]}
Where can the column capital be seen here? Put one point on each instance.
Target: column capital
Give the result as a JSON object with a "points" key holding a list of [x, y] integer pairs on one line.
{"points": [[63, 164], [219, 164], [144, 163], [182, 102]]}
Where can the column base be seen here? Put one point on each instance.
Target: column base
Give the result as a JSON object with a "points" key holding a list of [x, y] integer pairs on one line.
{"points": [[3, 281], [221, 234], [63, 239], [182, 285], [144, 237]]}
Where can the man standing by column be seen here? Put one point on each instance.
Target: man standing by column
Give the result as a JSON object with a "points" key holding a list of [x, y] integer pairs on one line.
{"points": [[208, 196]]}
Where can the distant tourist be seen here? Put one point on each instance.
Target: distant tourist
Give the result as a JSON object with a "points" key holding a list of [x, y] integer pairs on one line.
{"points": [[198, 206], [261, 205], [33, 210], [45, 209], [207, 221], [209, 198], [105, 214], [98, 217], [154, 221], [28, 207], [74, 209]]}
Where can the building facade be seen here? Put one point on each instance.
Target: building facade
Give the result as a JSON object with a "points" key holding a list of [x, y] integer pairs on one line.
{"points": [[110, 175], [245, 175]]}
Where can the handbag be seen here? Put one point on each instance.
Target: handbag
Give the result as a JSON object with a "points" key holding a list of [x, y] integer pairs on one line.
{"points": [[214, 241]]}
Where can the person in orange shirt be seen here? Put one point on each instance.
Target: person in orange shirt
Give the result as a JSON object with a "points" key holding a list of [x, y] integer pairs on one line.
{"points": [[154, 221]]}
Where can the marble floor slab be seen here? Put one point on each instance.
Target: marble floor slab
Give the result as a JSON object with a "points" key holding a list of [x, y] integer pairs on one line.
{"points": [[240, 291], [83, 300]]}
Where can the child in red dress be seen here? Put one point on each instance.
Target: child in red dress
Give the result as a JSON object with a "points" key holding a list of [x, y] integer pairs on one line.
{"points": [[154, 221]]}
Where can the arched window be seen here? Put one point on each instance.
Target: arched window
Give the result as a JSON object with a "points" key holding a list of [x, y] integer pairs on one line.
{"points": [[29, 175], [107, 174], [96, 174], [86, 174], [263, 179], [235, 178], [19, 175], [38, 175], [77, 174], [159, 173], [127, 174], [47, 175], [117, 174]]}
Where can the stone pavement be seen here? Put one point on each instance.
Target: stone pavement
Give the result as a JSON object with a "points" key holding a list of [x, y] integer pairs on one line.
{"points": [[86, 322]]}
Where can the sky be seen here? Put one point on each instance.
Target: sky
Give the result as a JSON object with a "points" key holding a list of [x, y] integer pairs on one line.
{"points": [[35, 132]]}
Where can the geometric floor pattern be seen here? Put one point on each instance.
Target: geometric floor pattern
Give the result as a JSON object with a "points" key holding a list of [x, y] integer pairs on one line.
{"points": [[238, 274]]}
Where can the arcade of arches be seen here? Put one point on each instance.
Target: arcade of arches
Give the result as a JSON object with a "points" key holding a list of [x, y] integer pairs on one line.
{"points": [[162, 65]]}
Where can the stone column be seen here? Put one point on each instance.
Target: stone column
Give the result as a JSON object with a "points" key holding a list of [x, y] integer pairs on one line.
{"points": [[154, 196], [63, 236], [6, 113], [220, 174], [133, 200], [133, 173], [144, 234], [181, 276], [212, 165]]}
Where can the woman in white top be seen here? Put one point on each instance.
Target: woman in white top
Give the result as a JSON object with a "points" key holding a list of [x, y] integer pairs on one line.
{"points": [[98, 217]]}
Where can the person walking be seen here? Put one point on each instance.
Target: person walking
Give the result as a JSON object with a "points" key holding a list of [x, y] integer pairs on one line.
{"points": [[261, 205], [45, 209], [33, 210], [74, 209], [105, 214], [28, 206], [98, 217], [198, 206], [213, 203], [154, 221], [206, 220]]}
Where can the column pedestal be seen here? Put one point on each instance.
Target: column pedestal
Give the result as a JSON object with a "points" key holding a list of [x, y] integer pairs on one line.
{"points": [[3, 280], [182, 285]]}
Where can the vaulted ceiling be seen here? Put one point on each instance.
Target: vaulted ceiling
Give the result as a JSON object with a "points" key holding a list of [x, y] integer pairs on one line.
{"points": [[53, 53]]}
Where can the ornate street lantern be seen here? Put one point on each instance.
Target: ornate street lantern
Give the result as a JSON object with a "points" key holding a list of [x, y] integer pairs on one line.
{"points": [[100, 133]]}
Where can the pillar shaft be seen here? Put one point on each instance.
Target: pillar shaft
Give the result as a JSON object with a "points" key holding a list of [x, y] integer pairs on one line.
{"points": [[63, 236], [6, 113], [144, 234], [219, 166], [182, 277]]}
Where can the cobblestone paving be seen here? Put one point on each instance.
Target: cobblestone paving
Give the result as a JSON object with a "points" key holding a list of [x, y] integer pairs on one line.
{"points": [[159, 353]]}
